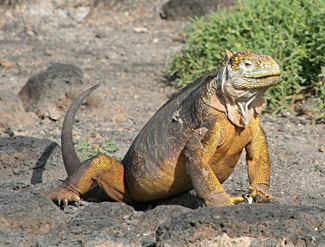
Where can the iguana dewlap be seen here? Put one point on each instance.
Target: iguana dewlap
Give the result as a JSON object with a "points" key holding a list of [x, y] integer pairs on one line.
{"points": [[193, 141]]}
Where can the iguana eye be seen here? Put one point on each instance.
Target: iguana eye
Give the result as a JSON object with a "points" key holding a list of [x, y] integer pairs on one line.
{"points": [[247, 65]]}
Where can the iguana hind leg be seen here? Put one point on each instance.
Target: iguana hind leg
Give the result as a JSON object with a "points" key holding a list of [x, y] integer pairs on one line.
{"points": [[101, 170]]}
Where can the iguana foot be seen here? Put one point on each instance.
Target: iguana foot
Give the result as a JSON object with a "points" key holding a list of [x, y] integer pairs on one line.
{"points": [[260, 193], [218, 199], [64, 194]]}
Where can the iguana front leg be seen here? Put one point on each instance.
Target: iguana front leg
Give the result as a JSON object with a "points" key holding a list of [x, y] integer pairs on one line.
{"points": [[204, 181], [259, 166]]}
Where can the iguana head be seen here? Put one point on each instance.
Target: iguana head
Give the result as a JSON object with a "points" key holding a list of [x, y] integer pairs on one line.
{"points": [[249, 70], [241, 82]]}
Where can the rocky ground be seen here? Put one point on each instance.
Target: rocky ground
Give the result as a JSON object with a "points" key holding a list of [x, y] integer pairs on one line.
{"points": [[124, 45]]}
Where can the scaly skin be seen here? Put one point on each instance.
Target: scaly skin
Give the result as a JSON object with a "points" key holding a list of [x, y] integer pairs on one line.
{"points": [[193, 141]]}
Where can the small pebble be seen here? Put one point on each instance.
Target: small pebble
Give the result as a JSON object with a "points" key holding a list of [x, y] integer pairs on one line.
{"points": [[140, 29]]}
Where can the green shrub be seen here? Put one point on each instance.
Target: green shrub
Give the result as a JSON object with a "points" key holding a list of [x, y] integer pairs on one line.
{"points": [[291, 31], [108, 147]]}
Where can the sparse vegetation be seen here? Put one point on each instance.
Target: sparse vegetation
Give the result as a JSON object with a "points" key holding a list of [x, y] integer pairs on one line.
{"points": [[292, 32], [108, 147]]}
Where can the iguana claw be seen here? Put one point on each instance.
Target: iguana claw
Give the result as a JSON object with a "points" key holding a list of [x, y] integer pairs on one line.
{"points": [[248, 198], [77, 203], [65, 202], [260, 193], [64, 194], [57, 200]]}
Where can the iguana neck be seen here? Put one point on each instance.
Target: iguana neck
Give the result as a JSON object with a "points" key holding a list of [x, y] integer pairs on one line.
{"points": [[239, 108]]}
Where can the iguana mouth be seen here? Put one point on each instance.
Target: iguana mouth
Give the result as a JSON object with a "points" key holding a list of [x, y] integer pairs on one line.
{"points": [[275, 75], [262, 81]]}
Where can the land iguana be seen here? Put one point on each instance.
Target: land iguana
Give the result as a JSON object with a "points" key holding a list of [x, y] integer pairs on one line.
{"points": [[193, 141]]}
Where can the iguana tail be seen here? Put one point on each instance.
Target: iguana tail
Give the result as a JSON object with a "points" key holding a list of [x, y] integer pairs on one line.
{"points": [[70, 158]]}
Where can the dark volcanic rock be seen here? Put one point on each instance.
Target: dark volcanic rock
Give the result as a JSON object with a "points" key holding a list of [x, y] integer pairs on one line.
{"points": [[25, 216], [116, 224], [101, 224], [110, 224], [260, 225], [45, 92], [181, 10], [149, 221], [30, 160]]}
